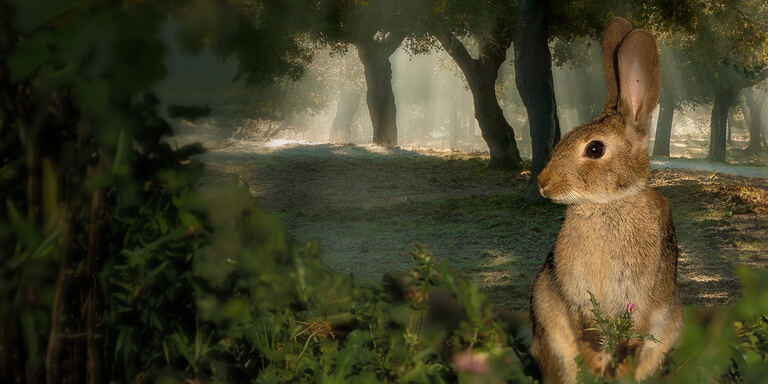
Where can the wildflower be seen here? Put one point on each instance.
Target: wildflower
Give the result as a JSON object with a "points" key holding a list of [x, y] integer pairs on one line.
{"points": [[471, 362], [630, 307]]}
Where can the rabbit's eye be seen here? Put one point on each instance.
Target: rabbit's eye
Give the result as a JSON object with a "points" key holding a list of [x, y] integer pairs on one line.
{"points": [[595, 149]]}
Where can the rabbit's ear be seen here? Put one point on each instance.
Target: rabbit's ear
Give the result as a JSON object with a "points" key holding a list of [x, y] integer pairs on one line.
{"points": [[612, 37], [639, 80]]}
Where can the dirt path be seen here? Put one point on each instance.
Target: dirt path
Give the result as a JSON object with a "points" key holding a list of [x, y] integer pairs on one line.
{"points": [[367, 205], [709, 166]]}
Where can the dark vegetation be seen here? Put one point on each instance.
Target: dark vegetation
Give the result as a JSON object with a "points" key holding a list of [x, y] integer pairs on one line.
{"points": [[188, 112], [123, 261]]}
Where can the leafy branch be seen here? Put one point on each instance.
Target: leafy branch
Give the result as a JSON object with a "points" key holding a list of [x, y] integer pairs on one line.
{"points": [[616, 332]]}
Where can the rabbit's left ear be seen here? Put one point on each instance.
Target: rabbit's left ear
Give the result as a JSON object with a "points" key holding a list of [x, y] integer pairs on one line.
{"points": [[639, 81], [612, 37]]}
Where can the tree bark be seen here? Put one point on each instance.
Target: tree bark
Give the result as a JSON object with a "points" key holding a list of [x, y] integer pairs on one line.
{"points": [[755, 106], [481, 74], [454, 124], [346, 107], [533, 77], [731, 123], [379, 95], [664, 124], [718, 124]]}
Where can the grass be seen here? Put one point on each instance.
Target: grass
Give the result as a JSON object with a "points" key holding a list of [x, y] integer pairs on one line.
{"points": [[367, 206]]}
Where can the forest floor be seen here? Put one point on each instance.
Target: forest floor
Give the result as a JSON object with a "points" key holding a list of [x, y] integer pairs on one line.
{"points": [[367, 205]]}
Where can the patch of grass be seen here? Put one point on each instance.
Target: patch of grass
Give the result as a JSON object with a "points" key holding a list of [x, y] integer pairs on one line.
{"points": [[366, 209], [719, 223]]}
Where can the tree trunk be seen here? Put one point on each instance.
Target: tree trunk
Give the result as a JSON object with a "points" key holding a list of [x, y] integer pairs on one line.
{"points": [[497, 133], [755, 106], [731, 123], [664, 125], [481, 74], [346, 107], [379, 95], [533, 77], [718, 124], [454, 124]]}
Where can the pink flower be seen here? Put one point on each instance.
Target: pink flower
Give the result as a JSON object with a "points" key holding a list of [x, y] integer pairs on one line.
{"points": [[630, 307], [471, 362]]}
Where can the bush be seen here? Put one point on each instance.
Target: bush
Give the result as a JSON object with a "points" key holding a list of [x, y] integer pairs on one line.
{"points": [[191, 113]]}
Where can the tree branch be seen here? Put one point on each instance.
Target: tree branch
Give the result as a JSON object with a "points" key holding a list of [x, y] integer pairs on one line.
{"points": [[456, 50]]}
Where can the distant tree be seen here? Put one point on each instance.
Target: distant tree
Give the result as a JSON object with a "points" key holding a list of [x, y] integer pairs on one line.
{"points": [[273, 70], [267, 45], [487, 28], [345, 78], [726, 44], [755, 101], [680, 86], [490, 28], [581, 67], [376, 29]]}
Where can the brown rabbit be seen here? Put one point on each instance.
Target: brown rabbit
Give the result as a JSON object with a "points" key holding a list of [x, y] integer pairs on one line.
{"points": [[617, 240]]}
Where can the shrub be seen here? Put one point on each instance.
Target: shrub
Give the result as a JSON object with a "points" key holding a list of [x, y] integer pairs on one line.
{"points": [[191, 112]]}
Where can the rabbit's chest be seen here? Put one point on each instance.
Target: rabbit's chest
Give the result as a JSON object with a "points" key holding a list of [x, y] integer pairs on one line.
{"points": [[610, 257]]}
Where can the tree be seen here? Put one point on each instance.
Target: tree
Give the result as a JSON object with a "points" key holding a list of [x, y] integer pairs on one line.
{"points": [[266, 52], [755, 101], [267, 45], [490, 26], [726, 45], [533, 76], [580, 64], [680, 86], [373, 28], [346, 107]]}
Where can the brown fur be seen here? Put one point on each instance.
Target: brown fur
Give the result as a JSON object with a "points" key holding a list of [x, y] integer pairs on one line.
{"points": [[618, 240]]}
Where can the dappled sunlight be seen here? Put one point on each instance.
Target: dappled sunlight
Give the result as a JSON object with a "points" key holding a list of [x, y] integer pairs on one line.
{"points": [[279, 143], [720, 224], [706, 278], [709, 166]]}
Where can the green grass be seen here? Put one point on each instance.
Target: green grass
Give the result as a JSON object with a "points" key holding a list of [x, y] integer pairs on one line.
{"points": [[367, 209]]}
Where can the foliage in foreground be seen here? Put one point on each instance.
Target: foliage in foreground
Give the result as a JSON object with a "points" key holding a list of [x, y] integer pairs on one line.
{"points": [[248, 305]]}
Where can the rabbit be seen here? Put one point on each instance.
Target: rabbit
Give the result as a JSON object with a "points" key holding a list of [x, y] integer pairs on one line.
{"points": [[618, 241]]}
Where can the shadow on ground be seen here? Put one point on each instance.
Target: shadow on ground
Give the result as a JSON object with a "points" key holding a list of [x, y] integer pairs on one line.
{"points": [[367, 205]]}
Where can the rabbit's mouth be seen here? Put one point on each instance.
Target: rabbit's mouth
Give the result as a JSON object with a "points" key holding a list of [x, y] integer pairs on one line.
{"points": [[574, 197]]}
